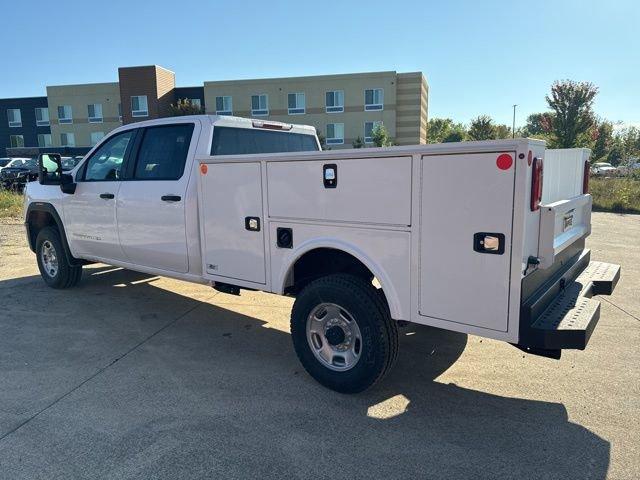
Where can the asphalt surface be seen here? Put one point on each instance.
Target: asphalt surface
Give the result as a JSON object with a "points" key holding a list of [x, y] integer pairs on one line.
{"points": [[133, 376]]}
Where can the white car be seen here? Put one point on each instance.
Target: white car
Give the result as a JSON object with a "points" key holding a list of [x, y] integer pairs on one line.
{"points": [[12, 162], [456, 235], [603, 169]]}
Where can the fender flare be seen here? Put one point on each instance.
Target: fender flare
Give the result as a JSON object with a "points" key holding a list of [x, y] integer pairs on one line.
{"points": [[324, 242], [51, 210]]}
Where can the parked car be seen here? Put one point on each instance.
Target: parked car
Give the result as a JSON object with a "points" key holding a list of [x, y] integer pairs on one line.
{"points": [[17, 173], [4, 161], [629, 169], [603, 169], [239, 203], [68, 163], [13, 162]]}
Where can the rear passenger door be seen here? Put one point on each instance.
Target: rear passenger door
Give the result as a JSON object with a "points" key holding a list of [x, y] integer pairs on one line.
{"points": [[151, 201]]}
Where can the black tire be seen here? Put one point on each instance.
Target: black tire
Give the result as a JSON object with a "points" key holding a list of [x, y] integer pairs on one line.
{"points": [[65, 275], [379, 332]]}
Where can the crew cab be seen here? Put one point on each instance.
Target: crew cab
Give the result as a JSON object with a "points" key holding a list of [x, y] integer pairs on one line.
{"points": [[460, 236]]}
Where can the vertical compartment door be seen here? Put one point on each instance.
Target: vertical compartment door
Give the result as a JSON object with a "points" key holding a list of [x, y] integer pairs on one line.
{"points": [[465, 238], [233, 228]]}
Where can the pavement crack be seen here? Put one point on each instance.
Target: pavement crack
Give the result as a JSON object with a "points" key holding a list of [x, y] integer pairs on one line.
{"points": [[102, 369], [620, 308]]}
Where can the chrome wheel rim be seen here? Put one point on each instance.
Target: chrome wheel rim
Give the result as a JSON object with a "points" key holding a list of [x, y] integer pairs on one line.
{"points": [[49, 258], [334, 337]]}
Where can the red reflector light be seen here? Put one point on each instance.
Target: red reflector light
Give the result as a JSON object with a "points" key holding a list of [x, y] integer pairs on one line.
{"points": [[585, 177], [536, 184], [272, 125], [504, 161]]}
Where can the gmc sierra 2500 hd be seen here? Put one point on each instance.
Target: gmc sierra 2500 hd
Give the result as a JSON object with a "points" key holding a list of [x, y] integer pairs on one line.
{"points": [[460, 236]]}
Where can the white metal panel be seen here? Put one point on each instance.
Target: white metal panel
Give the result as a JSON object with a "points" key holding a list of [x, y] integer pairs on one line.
{"points": [[463, 195], [369, 190], [385, 252], [562, 178], [230, 192]]}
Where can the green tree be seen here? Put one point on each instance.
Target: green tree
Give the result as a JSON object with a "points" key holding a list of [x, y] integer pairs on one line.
{"points": [[482, 128], [184, 106], [503, 131], [603, 140], [573, 117], [357, 143], [441, 129], [539, 125], [380, 136]]}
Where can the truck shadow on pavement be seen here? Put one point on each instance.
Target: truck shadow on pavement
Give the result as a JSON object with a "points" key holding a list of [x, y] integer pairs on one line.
{"points": [[126, 378]]}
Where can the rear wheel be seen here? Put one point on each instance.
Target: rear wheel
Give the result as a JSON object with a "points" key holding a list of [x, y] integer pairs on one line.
{"points": [[53, 262], [343, 334]]}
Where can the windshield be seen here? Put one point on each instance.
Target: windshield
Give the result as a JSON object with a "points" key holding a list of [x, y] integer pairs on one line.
{"points": [[15, 163]]}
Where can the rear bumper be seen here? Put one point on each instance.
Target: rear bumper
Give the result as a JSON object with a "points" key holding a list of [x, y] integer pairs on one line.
{"points": [[562, 314]]}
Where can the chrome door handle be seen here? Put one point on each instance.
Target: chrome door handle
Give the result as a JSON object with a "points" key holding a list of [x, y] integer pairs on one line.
{"points": [[107, 195]]}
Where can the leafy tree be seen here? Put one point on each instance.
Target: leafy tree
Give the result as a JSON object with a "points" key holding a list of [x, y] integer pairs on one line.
{"points": [[573, 117], [502, 131], [184, 106], [603, 140], [380, 136], [357, 143], [539, 124], [482, 128], [441, 130]]}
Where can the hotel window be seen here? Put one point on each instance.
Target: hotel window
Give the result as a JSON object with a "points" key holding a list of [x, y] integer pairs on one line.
{"points": [[42, 117], [94, 111], [369, 127], [96, 137], [335, 133], [15, 118], [259, 104], [334, 101], [224, 106], [67, 140], [196, 102], [139, 106], [44, 140], [16, 141], [296, 102], [65, 114], [373, 99]]}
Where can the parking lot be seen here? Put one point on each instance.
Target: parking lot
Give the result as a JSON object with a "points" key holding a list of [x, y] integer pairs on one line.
{"points": [[135, 376]]}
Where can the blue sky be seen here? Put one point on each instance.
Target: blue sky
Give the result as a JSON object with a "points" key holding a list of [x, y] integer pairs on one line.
{"points": [[479, 57]]}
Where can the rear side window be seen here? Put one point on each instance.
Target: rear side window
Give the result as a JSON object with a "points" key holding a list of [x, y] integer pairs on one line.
{"points": [[244, 141], [106, 162], [163, 152]]}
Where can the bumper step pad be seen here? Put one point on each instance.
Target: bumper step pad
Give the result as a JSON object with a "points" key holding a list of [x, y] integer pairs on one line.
{"points": [[566, 319], [569, 321]]}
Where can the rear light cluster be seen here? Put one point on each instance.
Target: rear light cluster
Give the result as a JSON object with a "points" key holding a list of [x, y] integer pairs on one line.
{"points": [[536, 184], [585, 177]]}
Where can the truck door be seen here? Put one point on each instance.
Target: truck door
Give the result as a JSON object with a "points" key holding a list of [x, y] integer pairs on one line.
{"points": [[90, 213], [232, 223], [465, 238], [151, 203]]}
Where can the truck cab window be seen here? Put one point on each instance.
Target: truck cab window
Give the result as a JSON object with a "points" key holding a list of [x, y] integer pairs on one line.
{"points": [[106, 162], [244, 141], [163, 152]]}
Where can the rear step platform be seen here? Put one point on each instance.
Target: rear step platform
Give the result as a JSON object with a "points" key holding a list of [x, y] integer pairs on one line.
{"points": [[568, 318]]}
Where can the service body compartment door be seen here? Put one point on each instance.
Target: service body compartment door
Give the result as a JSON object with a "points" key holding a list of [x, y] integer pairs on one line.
{"points": [[464, 198], [233, 229]]}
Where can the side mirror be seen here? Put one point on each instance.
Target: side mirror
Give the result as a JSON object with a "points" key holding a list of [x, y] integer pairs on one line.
{"points": [[50, 172], [49, 169]]}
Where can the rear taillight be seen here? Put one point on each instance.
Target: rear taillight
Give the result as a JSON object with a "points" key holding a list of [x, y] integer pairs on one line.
{"points": [[536, 184], [585, 177]]}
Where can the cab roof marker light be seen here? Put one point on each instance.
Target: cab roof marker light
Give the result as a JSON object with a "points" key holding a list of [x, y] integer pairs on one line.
{"points": [[271, 125]]}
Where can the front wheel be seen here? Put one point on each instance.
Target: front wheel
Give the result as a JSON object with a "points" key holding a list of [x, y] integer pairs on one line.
{"points": [[53, 262], [343, 334]]}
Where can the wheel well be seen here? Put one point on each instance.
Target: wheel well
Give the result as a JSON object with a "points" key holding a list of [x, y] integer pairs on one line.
{"points": [[321, 262], [36, 221]]}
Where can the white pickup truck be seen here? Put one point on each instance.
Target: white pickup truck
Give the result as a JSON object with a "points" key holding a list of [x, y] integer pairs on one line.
{"points": [[459, 236]]}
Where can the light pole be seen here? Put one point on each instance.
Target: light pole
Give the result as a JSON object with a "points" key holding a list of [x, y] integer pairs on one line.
{"points": [[513, 127]]}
